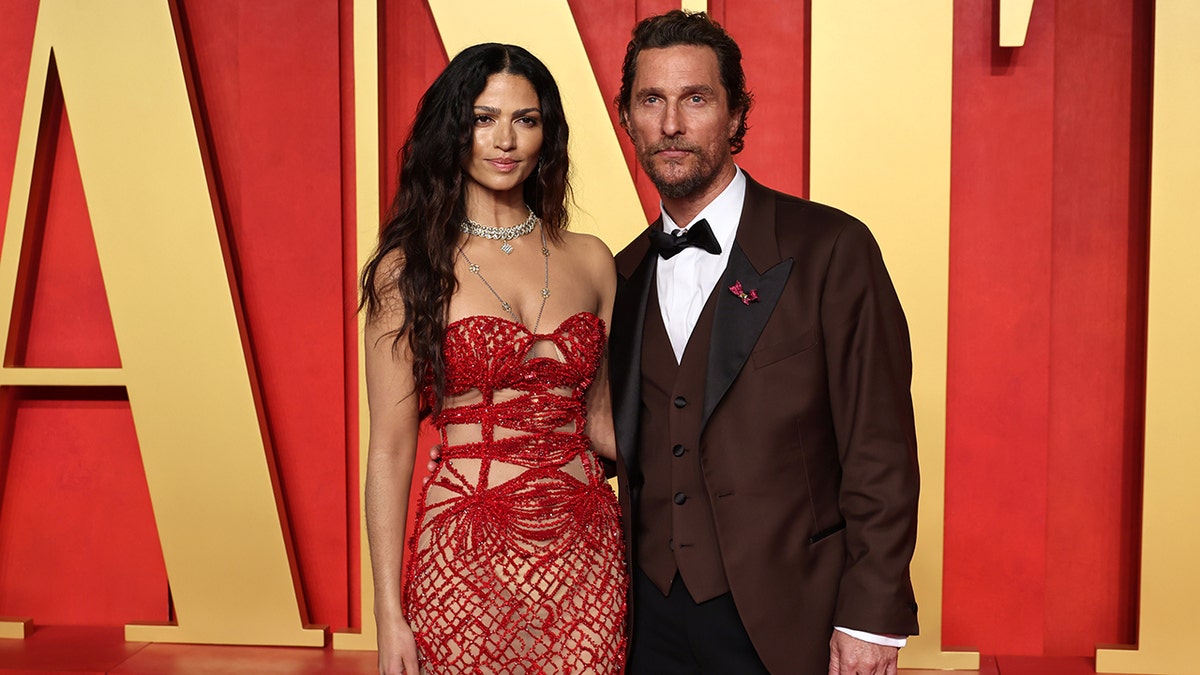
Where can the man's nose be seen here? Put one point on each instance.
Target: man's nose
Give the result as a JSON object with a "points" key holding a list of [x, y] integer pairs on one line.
{"points": [[672, 121]]}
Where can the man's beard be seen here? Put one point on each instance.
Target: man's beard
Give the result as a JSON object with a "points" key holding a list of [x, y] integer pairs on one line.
{"points": [[704, 172]]}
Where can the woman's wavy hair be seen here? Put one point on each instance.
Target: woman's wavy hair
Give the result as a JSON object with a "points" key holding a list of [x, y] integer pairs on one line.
{"points": [[414, 261], [678, 27]]}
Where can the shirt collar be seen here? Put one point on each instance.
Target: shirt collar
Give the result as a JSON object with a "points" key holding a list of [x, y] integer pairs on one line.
{"points": [[723, 213]]}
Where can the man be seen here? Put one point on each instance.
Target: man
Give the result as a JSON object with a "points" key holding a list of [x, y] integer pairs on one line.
{"points": [[761, 369]]}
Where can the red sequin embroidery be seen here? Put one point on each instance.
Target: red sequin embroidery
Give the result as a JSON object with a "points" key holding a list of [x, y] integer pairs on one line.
{"points": [[517, 565]]}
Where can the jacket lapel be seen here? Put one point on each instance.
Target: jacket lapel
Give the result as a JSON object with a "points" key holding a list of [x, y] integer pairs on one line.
{"points": [[737, 325]]}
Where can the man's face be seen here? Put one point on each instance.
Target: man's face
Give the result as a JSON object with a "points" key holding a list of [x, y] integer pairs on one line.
{"points": [[679, 119]]}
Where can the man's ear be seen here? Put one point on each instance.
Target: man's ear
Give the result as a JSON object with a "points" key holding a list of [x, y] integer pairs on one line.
{"points": [[623, 119], [735, 121]]}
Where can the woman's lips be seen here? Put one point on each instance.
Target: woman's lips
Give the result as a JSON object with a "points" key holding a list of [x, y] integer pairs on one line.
{"points": [[503, 165]]}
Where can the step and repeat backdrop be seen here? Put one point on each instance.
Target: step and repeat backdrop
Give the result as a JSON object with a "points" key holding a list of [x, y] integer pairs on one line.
{"points": [[190, 188]]}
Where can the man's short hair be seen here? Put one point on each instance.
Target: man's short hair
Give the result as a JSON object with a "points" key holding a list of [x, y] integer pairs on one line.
{"points": [[678, 27]]}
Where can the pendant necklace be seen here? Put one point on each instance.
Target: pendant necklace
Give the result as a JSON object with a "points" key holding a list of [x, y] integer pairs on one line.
{"points": [[503, 234], [504, 304]]}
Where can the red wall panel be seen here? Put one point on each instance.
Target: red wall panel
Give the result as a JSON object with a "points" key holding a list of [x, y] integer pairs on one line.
{"points": [[1001, 212], [16, 41], [78, 543], [776, 62], [66, 323], [1101, 149], [1047, 310]]}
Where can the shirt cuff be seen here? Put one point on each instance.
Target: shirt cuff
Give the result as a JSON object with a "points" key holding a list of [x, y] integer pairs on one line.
{"points": [[873, 638]]}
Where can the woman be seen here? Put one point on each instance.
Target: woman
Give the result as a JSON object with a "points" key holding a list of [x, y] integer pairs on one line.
{"points": [[485, 314]]}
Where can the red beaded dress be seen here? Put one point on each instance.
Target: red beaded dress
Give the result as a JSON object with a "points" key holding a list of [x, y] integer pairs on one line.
{"points": [[517, 565]]}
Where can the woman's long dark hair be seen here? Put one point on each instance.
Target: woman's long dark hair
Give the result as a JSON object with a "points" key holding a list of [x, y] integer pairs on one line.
{"points": [[414, 261]]}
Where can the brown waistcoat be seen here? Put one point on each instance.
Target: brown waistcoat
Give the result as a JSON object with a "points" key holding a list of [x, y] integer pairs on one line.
{"points": [[675, 519]]}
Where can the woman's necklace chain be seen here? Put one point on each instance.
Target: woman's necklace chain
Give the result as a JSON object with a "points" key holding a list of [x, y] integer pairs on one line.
{"points": [[504, 234], [504, 304]]}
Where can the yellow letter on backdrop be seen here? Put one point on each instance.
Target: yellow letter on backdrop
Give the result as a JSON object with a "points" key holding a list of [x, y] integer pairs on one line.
{"points": [[182, 361], [881, 150], [608, 205], [1014, 22]]}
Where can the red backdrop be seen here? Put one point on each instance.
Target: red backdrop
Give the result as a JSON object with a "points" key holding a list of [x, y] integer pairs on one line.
{"points": [[1050, 145]]}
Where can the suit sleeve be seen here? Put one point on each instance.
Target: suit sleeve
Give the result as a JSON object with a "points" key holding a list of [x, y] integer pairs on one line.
{"points": [[869, 362]]}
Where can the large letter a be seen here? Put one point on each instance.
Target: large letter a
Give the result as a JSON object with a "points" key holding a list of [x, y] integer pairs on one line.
{"points": [[182, 360]]}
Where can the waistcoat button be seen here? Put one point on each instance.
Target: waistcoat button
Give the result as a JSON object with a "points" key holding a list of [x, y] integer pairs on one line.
{"points": [[680, 498], [680, 401], [678, 450]]}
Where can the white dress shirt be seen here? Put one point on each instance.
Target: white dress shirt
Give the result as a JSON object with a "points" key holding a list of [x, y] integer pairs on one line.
{"points": [[687, 279], [685, 282]]}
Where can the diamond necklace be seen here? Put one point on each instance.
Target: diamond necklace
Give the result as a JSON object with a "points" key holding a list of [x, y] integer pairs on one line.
{"points": [[504, 304], [504, 234]]}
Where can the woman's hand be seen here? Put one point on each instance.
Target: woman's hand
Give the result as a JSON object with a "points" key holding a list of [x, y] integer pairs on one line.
{"points": [[397, 649]]}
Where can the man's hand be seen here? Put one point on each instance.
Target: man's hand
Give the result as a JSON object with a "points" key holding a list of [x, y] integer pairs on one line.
{"points": [[851, 656], [435, 458]]}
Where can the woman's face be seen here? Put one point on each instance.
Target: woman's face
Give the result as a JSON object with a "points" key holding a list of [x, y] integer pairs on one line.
{"points": [[507, 134]]}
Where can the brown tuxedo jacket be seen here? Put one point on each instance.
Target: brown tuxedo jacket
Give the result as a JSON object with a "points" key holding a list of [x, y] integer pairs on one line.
{"points": [[808, 444]]}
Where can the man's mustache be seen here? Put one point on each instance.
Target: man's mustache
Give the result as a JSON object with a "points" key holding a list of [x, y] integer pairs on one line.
{"points": [[674, 145]]}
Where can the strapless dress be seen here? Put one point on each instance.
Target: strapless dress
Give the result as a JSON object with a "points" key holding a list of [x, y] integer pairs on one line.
{"points": [[517, 564]]}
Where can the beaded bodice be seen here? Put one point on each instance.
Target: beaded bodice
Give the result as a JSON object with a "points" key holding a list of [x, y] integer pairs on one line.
{"points": [[511, 384], [538, 393], [512, 431]]}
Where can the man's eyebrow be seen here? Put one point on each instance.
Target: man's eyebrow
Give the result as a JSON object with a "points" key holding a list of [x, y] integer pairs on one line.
{"points": [[685, 89]]}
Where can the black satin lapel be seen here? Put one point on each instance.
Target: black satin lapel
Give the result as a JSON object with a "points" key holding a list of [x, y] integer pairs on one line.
{"points": [[736, 325], [625, 355]]}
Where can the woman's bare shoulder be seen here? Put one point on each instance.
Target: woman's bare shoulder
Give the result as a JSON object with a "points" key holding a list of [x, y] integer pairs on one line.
{"points": [[587, 249]]}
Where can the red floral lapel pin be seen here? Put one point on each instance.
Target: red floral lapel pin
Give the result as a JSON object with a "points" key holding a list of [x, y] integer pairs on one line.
{"points": [[746, 296]]}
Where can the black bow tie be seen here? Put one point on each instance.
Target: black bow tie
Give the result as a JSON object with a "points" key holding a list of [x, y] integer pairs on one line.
{"points": [[699, 235]]}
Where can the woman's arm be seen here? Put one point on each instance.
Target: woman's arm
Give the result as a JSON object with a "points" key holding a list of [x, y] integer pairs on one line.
{"points": [[392, 400], [599, 404]]}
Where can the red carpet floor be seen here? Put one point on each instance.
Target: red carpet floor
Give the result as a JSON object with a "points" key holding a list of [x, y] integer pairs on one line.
{"points": [[103, 651]]}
